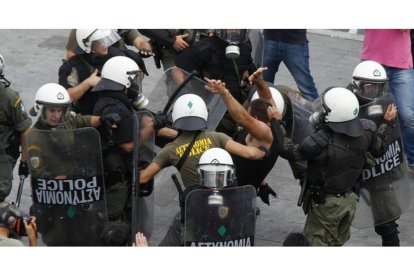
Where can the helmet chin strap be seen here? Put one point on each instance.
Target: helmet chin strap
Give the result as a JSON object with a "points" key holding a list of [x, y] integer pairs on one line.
{"points": [[5, 81]]}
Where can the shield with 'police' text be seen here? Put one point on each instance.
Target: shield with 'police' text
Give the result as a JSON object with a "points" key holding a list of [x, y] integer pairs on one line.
{"points": [[68, 189]]}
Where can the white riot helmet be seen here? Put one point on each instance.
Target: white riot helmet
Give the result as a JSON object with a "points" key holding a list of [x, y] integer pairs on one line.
{"points": [[50, 95], [85, 38], [277, 98], [216, 168], [368, 80], [338, 107], [190, 113], [119, 73]]}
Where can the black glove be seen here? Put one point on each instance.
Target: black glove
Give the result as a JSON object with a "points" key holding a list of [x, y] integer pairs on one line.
{"points": [[110, 119], [160, 121], [264, 191], [23, 169]]}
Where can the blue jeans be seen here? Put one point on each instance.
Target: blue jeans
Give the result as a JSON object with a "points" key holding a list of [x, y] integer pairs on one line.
{"points": [[401, 82], [296, 59]]}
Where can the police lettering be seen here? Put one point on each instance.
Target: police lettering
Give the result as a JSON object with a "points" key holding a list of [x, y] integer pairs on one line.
{"points": [[244, 242], [390, 160], [199, 147], [65, 184], [67, 191]]}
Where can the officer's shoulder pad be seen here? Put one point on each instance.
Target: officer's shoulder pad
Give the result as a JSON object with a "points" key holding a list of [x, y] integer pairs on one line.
{"points": [[368, 125]]}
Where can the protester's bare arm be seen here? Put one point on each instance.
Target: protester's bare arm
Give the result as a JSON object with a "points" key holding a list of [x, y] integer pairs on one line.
{"points": [[262, 87], [247, 152], [79, 90], [253, 126]]}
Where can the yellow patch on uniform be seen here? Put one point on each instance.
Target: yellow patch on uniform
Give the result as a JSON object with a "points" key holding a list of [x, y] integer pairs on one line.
{"points": [[17, 102], [33, 148]]}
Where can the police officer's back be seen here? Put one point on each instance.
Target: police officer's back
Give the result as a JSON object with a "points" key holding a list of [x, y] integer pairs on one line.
{"points": [[336, 154]]}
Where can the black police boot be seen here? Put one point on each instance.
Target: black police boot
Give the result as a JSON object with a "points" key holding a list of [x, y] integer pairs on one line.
{"points": [[389, 233], [391, 240]]}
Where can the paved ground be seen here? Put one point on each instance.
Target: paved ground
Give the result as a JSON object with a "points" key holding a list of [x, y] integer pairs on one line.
{"points": [[34, 56]]}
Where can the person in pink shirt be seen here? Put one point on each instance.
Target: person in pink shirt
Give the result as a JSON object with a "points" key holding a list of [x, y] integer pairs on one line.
{"points": [[392, 49]]}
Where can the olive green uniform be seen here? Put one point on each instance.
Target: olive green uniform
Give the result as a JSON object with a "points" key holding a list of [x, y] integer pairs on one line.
{"points": [[13, 121], [172, 152]]}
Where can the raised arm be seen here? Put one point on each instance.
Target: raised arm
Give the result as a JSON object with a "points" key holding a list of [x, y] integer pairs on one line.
{"points": [[253, 126]]}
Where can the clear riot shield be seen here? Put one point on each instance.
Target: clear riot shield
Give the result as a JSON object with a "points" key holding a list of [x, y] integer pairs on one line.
{"points": [[68, 190], [302, 109], [225, 217], [6, 171], [142, 195], [298, 127], [175, 83], [386, 189]]}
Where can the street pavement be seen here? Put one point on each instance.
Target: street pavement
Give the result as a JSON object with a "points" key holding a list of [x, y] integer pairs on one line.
{"points": [[32, 58]]}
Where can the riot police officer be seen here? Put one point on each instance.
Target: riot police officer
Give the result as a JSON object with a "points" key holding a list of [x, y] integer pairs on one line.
{"points": [[57, 152], [369, 79], [52, 106], [336, 154], [225, 56], [14, 124], [80, 73], [118, 91], [215, 170]]}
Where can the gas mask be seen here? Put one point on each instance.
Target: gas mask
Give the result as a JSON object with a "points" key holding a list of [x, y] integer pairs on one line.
{"points": [[316, 119], [139, 101], [215, 198], [375, 112], [320, 111], [233, 38]]}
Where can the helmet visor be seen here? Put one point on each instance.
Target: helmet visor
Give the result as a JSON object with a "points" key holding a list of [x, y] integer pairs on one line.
{"points": [[107, 40], [370, 91], [215, 176], [217, 179]]}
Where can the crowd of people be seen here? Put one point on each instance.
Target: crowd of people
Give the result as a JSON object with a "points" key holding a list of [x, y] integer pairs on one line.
{"points": [[92, 199]]}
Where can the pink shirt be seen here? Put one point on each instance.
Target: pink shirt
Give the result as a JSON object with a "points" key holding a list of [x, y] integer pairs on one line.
{"points": [[389, 47]]}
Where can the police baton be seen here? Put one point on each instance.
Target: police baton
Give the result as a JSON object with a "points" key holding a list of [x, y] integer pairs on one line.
{"points": [[135, 179], [177, 184], [302, 192], [20, 190]]}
